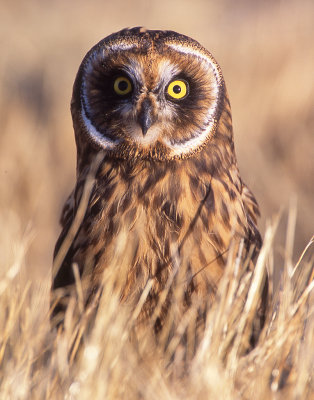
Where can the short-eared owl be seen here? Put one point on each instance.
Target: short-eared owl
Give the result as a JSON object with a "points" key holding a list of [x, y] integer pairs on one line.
{"points": [[154, 105]]}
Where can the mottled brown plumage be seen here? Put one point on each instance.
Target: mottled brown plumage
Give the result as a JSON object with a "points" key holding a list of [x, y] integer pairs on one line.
{"points": [[173, 189]]}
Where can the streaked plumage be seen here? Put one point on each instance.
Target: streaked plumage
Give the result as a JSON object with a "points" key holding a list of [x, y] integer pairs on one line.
{"points": [[168, 179]]}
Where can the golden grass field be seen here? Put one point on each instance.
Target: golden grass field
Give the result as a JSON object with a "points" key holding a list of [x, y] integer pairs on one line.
{"points": [[266, 53]]}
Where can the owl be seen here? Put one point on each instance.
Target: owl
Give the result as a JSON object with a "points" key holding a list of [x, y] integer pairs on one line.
{"points": [[153, 106]]}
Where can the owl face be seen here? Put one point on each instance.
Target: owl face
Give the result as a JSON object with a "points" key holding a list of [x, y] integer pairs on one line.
{"points": [[148, 94]]}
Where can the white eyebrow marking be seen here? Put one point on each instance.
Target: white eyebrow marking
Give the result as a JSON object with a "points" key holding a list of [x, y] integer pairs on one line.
{"points": [[122, 46], [167, 71]]}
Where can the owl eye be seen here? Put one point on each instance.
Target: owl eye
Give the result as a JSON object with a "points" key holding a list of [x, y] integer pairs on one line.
{"points": [[177, 89], [122, 86]]}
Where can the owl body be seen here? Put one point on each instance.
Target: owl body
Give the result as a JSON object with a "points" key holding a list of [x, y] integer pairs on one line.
{"points": [[167, 198]]}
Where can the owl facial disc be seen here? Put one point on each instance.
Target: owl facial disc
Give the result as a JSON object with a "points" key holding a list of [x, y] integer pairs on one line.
{"points": [[152, 92]]}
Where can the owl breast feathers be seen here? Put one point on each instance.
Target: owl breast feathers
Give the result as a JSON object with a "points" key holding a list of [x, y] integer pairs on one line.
{"points": [[154, 105]]}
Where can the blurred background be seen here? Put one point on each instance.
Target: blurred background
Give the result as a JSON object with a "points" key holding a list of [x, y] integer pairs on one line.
{"points": [[265, 49]]}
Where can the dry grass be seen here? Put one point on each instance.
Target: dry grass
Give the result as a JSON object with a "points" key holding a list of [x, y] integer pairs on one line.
{"points": [[113, 357], [265, 50]]}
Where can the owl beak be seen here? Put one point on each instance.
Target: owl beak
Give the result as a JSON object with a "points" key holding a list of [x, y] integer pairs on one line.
{"points": [[145, 117]]}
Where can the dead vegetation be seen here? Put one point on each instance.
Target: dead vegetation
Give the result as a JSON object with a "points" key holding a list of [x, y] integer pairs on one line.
{"points": [[114, 358]]}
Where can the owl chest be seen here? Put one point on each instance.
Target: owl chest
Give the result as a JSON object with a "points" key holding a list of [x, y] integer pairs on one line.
{"points": [[150, 219], [151, 227]]}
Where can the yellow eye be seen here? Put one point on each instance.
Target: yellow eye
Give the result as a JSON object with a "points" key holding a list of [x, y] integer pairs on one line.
{"points": [[122, 86], [177, 89]]}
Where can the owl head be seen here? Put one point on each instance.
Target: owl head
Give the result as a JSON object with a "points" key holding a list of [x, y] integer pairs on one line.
{"points": [[147, 94]]}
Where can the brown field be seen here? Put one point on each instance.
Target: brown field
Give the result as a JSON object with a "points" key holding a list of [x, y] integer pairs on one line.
{"points": [[265, 50]]}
